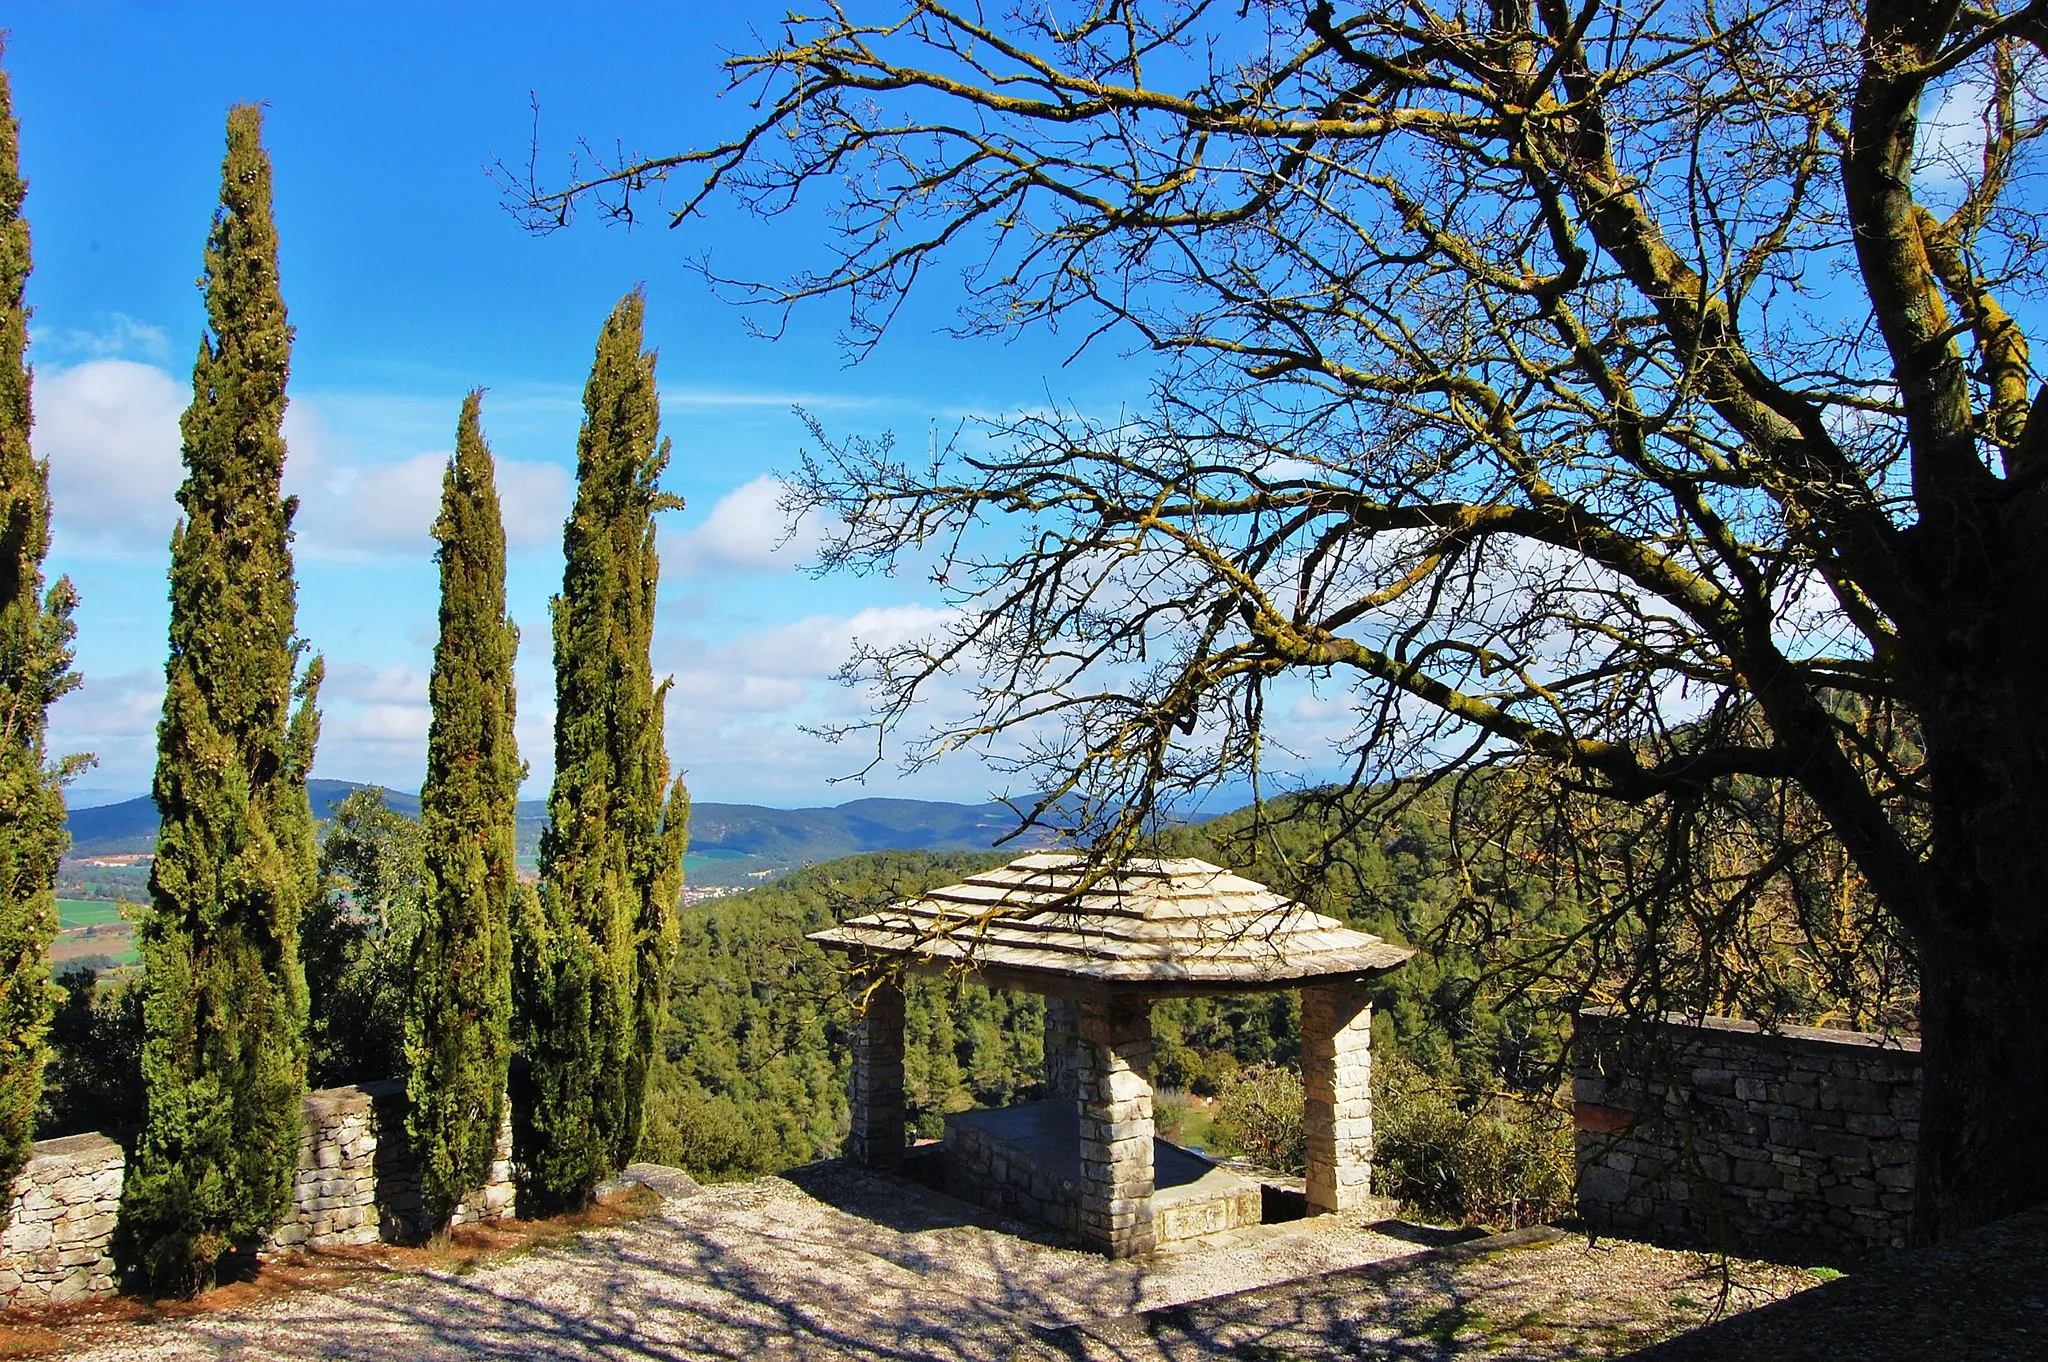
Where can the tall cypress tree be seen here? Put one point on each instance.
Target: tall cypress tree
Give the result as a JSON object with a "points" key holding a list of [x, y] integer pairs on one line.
{"points": [[224, 1010], [596, 957], [35, 668], [458, 1040]]}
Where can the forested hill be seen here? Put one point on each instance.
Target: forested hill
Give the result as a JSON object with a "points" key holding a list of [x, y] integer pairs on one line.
{"points": [[731, 837], [129, 827]]}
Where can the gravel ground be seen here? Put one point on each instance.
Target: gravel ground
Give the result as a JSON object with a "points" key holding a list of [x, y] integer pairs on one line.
{"points": [[830, 1262], [1551, 1296], [1980, 1298]]}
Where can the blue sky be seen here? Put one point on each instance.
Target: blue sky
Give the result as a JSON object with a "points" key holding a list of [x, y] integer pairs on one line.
{"points": [[408, 285]]}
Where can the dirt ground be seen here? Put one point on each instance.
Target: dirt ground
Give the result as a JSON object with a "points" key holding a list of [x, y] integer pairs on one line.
{"points": [[829, 1262]]}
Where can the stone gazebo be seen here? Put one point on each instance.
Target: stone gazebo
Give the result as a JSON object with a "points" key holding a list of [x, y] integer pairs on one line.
{"points": [[1085, 1160]]}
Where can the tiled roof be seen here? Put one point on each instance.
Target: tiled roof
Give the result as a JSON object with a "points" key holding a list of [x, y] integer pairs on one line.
{"points": [[1148, 922]]}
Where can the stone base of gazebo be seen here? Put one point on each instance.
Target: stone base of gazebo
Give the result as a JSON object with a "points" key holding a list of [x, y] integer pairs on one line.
{"points": [[1025, 1162]]}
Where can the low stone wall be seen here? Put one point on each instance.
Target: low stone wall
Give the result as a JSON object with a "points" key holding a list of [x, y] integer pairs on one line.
{"points": [[357, 1183], [1025, 1162], [66, 1201], [984, 1168], [1797, 1142]]}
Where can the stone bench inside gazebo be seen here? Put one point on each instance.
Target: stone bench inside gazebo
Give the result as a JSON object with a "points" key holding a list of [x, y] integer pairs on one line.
{"points": [[1086, 1160]]}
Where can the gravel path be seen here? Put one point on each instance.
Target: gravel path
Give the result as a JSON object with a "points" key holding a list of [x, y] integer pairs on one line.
{"points": [[830, 1262]]}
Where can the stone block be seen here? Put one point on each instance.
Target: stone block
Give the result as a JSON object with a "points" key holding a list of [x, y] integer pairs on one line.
{"points": [[27, 1237], [78, 1254], [1600, 1186], [75, 1286], [1714, 1080], [1842, 1145]]}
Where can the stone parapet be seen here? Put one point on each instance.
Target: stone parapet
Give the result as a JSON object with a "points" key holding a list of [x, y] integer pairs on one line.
{"points": [[334, 1191], [401, 1213], [1800, 1142], [356, 1183], [1030, 1173], [1025, 1162], [66, 1201]]}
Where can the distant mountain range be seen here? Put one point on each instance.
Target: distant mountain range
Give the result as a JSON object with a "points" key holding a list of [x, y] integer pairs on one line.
{"points": [[724, 838]]}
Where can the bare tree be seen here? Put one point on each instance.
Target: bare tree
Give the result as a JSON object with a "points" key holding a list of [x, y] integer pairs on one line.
{"points": [[1641, 388]]}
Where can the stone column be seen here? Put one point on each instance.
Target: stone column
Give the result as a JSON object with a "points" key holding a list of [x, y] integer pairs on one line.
{"points": [[1114, 1079], [876, 1140], [1336, 1075], [1062, 1032]]}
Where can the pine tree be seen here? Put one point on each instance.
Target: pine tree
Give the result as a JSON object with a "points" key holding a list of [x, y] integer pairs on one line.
{"points": [[35, 668], [224, 1056], [458, 1039], [595, 957]]}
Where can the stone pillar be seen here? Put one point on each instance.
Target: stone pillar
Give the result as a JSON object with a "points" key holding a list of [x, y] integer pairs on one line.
{"points": [[1114, 1081], [1336, 1076], [876, 1140], [1062, 1033]]}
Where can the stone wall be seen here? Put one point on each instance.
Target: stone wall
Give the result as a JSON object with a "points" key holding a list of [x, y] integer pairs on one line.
{"points": [[1795, 1142], [1041, 1185], [1025, 1161], [357, 1182], [66, 1201]]}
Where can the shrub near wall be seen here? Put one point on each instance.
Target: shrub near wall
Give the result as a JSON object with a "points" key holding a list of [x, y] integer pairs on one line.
{"points": [[1501, 1161]]}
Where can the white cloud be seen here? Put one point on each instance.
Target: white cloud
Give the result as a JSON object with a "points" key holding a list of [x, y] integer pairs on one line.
{"points": [[1948, 152], [109, 429], [714, 691], [363, 510], [739, 705], [804, 650], [114, 717], [123, 335], [1308, 707], [359, 684], [750, 694], [352, 508], [400, 726], [747, 531], [534, 499]]}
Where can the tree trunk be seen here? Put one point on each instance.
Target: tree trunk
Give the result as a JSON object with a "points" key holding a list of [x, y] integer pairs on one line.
{"points": [[1984, 1105], [1984, 950]]}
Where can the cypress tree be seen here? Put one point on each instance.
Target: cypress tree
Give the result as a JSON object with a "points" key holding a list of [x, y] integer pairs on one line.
{"points": [[224, 1011], [458, 1040], [35, 668], [595, 964]]}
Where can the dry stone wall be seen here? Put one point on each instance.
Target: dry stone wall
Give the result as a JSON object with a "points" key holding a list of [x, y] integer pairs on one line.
{"points": [[1716, 1133], [984, 1168], [65, 1203], [357, 1182]]}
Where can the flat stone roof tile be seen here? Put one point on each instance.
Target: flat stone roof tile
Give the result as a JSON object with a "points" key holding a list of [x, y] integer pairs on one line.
{"points": [[1146, 921]]}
